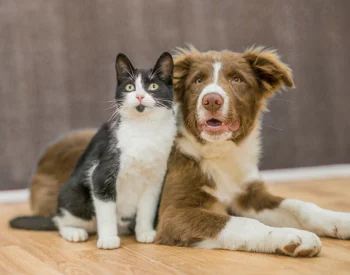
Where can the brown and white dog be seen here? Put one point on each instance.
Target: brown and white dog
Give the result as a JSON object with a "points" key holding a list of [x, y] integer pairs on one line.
{"points": [[213, 196], [213, 167]]}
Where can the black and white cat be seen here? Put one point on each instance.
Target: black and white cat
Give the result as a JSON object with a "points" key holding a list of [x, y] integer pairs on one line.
{"points": [[120, 175]]}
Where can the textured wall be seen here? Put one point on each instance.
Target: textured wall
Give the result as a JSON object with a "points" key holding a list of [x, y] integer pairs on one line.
{"points": [[57, 68]]}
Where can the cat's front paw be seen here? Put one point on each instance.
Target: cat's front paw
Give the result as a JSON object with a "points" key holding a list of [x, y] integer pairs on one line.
{"points": [[146, 236], [110, 242]]}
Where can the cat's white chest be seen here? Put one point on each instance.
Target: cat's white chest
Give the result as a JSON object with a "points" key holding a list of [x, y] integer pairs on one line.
{"points": [[144, 150]]}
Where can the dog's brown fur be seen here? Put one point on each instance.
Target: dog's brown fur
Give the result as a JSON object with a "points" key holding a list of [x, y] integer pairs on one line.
{"points": [[257, 197], [188, 213], [54, 168], [198, 195]]}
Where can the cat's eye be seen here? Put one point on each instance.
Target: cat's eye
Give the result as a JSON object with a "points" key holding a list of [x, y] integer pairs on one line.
{"points": [[236, 79], [199, 81], [153, 87], [129, 87]]}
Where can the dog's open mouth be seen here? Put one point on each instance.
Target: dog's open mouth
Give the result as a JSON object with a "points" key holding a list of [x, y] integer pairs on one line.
{"points": [[215, 126], [213, 122]]}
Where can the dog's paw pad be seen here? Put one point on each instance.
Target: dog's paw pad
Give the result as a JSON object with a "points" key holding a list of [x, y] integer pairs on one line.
{"points": [[146, 237], [111, 242], [300, 244]]}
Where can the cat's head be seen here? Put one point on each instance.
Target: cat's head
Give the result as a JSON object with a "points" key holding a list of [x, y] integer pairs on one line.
{"points": [[144, 91]]}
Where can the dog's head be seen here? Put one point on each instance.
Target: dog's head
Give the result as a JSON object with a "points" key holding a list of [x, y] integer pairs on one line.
{"points": [[222, 93]]}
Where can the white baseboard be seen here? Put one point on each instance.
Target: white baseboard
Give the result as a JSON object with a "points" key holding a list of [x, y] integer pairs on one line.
{"points": [[306, 173], [12, 196], [273, 176]]}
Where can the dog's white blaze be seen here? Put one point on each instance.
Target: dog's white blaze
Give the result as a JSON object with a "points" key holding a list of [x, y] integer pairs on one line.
{"points": [[217, 67], [214, 88]]}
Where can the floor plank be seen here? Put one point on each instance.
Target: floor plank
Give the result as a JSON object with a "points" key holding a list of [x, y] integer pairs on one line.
{"points": [[25, 252], [15, 260]]}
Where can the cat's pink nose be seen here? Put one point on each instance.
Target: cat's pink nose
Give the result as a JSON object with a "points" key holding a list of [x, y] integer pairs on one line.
{"points": [[140, 97]]}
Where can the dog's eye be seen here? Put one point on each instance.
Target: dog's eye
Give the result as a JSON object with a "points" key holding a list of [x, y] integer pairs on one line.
{"points": [[199, 81], [129, 87], [153, 87], [236, 79]]}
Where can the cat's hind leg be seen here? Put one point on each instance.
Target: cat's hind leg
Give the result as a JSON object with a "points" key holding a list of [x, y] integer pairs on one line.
{"points": [[72, 228], [75, 217]]}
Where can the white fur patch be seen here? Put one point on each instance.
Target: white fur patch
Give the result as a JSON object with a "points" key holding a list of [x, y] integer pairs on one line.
{"points": [[108, 242], [306, 216], [128, 109], [202, 112], [106, 216], [217, 67], [251, 235], [74, 234], [68, 220], [142, 167], [227, 163], [209, 89]]}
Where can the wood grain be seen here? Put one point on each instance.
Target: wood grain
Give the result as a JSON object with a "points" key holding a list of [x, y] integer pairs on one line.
{"points": [[25, 252]]}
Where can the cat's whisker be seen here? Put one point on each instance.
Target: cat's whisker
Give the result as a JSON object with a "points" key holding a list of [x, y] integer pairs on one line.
{"points": [[131, 75], [155, 73]]}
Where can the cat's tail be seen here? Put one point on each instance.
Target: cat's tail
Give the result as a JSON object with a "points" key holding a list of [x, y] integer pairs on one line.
{"points": [[36, 223]]}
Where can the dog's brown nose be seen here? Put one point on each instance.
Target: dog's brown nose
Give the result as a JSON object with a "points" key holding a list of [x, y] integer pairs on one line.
{"points": [[212, 102]]}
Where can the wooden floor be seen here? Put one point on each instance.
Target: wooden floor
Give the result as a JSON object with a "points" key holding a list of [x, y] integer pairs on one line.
{"points": [[24, 252]]}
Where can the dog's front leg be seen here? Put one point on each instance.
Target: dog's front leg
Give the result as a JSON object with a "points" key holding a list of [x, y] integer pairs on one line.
{"points": [[204, 229], [256, 202]]}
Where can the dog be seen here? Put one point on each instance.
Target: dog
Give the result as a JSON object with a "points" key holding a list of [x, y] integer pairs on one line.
{"points": [[213, 196], [54, 168]]}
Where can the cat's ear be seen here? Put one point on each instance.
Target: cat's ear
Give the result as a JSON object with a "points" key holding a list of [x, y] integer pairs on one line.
{"points": [[164, 67], [123, 67]]}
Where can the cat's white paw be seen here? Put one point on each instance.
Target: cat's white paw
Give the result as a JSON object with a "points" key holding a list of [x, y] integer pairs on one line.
{"points": [[74, 234], [146, 236], [110, 242], [296, 243]]}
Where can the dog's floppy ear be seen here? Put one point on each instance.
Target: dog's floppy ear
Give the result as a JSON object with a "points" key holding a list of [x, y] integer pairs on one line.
{"points": [[270, 71]]}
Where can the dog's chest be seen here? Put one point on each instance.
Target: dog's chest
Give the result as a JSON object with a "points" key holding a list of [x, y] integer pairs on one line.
{"points": [[228, 166]]}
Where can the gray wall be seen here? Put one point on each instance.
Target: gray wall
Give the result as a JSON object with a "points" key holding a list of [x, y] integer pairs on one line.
{"points": [[57, 68]]}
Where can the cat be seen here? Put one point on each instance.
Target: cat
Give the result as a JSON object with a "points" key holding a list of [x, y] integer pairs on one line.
{"points": [[121, 173]]}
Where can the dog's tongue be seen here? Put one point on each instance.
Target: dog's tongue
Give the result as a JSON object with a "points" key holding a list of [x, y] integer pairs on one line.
{"points": [[214, 122]]}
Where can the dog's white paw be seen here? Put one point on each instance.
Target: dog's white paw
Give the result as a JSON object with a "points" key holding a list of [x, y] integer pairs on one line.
{"points": [[146, 237], [296, 243], [333, 224], [110, 242], [74, 234]]}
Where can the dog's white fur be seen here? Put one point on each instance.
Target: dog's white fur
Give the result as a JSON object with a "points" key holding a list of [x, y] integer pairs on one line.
{"points": [[231, 167]]}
